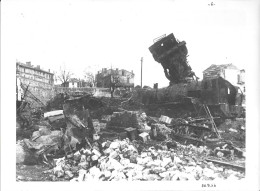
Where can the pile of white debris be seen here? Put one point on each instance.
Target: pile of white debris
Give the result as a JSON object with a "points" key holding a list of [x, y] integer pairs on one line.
{"points": [[120, 160]]}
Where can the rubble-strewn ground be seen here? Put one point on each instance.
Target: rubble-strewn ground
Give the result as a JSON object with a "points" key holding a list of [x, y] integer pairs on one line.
{"points": [[164, 144]]}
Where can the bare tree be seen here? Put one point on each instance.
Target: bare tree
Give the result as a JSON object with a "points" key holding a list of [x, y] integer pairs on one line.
{"points": [[113, 84], [64, 76], [89, 78]]}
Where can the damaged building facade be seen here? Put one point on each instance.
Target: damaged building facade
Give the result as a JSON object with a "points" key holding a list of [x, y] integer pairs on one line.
{"points": [[34, 79], [122, 78], [228, 72]]}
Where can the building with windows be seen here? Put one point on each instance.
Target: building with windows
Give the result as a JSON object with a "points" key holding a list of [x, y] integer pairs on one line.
{"points": [[76, 83], [121, 78], [39, 82], [228, 72]]}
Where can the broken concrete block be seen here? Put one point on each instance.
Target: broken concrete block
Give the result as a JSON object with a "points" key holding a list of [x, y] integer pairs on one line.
{"points": [[144, 137], [82, 175], [177, 160], [83, 158], [107, 174], [96, 152], [19, 177], [114, 145], [152, 177], [220, 154], [145, 128], [35, 135], [144, 161], [87, 152], [124, 162], [58, 171], [95, 172], [113, 154], [165, 119], [77, 156], [209, 173], [94, 158], [83, 165], [162, 130], [158, 169], [59, 162], [69, 174], [55, 138], [53, 113], [113, 164], [144, 154], [108, 151], [233, 130], [166, 161], [105, 118], [20, 153]]}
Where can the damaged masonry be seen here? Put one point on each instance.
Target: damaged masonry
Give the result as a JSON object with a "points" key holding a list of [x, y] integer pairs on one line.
{"points": [[191, 130]]}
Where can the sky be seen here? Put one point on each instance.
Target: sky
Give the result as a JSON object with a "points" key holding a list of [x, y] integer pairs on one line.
{"points": [[90, 35], [93, 34]]}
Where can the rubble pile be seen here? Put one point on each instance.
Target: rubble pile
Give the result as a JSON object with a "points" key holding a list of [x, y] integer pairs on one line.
{"points": [[234, 130], [121, 161], [79, 145]]}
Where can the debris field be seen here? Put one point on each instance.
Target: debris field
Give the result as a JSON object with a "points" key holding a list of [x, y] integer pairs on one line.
{"points": [[190, 130], [86, 138]]}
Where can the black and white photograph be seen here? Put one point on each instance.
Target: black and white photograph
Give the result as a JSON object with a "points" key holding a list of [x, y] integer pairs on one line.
{"points": [[125, 95]]}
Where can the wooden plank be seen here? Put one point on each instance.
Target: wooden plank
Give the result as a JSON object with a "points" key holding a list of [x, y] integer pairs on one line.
{"points": [[53, 113], [226, 164], [56, 117]]}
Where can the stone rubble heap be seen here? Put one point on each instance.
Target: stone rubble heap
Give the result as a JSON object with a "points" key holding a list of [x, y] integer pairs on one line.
{"points": [[120, 160]]}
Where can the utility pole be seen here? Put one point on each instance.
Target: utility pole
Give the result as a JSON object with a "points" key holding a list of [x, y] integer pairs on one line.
{"points": [[141, 72]]}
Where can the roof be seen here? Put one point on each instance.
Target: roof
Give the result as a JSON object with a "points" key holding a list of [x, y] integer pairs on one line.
{"points": [[215, 67], [74, 80], [32, 67], [114, 70]]}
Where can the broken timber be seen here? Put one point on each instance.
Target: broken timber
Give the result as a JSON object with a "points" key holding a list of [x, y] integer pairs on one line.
{"points": [[53, 113], [226, 164]]}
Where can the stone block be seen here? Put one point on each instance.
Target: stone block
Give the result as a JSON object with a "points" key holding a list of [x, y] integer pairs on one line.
{"points": [[144, 137]]}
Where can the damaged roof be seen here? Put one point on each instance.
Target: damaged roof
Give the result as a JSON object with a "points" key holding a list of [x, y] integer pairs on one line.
{"points": [[215, 67]]}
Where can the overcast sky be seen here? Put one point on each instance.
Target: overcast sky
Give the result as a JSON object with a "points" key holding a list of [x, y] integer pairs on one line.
{"points": [[95, 34]]}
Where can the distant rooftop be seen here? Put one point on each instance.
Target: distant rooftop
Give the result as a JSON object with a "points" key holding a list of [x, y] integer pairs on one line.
{"points": [[221, 66], [29, 65]]}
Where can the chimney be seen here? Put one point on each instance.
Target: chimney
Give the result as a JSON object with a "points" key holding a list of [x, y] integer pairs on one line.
{"points": [[49, 70], [38, 66], [28, 63]]}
